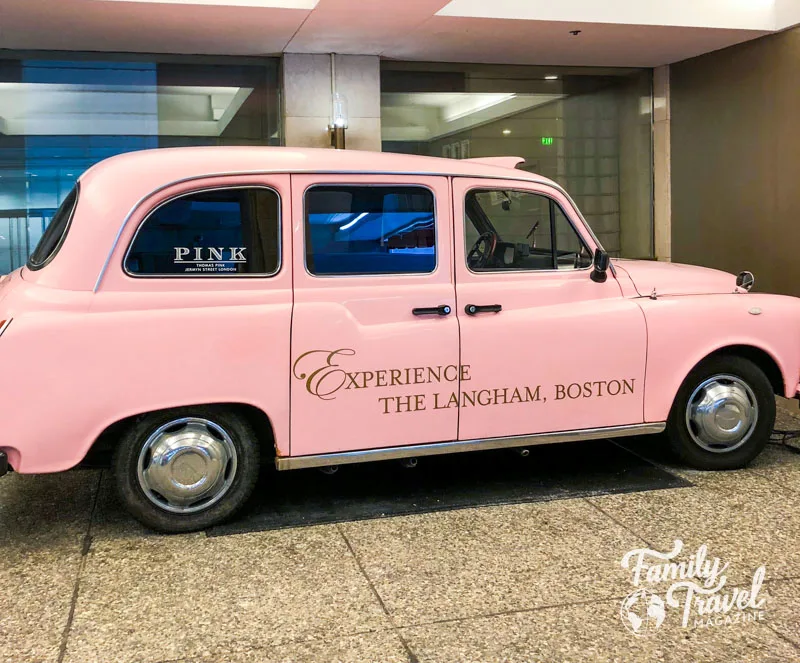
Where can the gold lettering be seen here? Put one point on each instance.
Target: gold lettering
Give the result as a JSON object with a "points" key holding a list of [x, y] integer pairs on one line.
{"points": [[480, 401], [434, 374], [560, 395], [419, 375], [380, 378], [627, 387], [532, 396], [467, 398], [396, 373], [616, 385], [447, 369], [500, 393], [465, 372], [516, 397], [314, 380]]}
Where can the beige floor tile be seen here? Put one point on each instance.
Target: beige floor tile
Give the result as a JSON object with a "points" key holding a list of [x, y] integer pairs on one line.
{"points": [[745, 520], [780, 466], [43, 522], [592, 633], [44, 511], [167, 598], [35, 598], [784, 608], [479, 561], [382, 647]]}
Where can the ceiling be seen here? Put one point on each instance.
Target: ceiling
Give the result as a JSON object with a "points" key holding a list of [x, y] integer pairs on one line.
{"points": [[489, 31]]}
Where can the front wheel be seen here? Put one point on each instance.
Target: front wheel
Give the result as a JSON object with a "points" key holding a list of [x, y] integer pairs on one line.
{"points": [[723, 414], [186, 469]]}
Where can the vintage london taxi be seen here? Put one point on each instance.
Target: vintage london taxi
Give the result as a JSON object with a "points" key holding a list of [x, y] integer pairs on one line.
{"points": [[203, 309]]}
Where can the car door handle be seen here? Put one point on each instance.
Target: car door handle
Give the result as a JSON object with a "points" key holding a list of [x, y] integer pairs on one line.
{"points": [[474, 309], [444, 309]]}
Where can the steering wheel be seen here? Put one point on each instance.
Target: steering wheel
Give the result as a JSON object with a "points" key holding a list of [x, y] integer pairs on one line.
{"points": [[482, 251]]}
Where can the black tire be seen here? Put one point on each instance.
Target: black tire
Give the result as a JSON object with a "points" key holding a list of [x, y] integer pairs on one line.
{"points": [[680, 437], [125, 466]]}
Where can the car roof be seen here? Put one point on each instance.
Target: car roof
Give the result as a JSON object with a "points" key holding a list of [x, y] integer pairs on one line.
{"points": [[188, 162], [113, 189]]}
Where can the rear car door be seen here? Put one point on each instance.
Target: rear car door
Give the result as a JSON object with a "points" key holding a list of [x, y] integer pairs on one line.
{"points": [[374, 334]]}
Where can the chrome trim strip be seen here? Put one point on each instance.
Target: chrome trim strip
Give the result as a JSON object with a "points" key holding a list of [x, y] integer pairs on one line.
{"points": [[311, 171], [438, 448]]}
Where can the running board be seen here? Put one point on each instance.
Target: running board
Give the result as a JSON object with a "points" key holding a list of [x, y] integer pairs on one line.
{"points": [[438, 448]]}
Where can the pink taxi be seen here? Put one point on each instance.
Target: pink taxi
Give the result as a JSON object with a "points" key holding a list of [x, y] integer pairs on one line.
{"points": [[201, 310]]}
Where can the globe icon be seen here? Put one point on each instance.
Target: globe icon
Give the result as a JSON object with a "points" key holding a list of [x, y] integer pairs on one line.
{"points": [[642, 612]]}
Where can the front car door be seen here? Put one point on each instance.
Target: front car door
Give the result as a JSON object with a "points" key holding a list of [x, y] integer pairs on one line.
{"points": [[374, 332], [544, 347]]}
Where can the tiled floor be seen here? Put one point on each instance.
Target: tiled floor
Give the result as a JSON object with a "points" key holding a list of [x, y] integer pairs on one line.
{"points": [[80, 582]]}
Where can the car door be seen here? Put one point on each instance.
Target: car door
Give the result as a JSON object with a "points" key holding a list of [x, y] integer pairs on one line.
{"points": [[544, 348], [374, 334]]}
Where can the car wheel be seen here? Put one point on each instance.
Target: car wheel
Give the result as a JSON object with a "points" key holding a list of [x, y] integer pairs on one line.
{"points": [[723, 414], [186, 469]]}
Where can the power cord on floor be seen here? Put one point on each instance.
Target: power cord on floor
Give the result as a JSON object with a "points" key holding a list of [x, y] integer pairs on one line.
{"points": [[782, 438]]}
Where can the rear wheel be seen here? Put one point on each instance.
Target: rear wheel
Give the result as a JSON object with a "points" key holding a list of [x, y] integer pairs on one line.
{"points": [[723, 414], [186, 469]]}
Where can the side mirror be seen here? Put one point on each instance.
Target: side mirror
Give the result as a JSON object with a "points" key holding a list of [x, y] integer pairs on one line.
{"points": [[601, 262]]}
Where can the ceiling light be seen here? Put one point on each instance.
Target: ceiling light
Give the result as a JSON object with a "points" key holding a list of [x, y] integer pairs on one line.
{"points": [[279, 4], [506, 132], [354, 221], [551, 78]]}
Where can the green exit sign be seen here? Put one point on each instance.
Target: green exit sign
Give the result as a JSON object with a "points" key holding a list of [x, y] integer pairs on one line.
{"points": [[547, 140]]}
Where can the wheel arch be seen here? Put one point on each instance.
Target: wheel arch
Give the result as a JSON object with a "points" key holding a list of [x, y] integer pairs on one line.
{"points": [[100, 451], [760, 357]]}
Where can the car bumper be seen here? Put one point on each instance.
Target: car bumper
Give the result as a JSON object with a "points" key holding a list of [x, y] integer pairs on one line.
{"points": [[3, 463]]}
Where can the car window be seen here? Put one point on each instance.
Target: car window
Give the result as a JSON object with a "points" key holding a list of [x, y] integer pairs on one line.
{"points": [[513, 230], [55, 233], [218, 232], [359, 230]]}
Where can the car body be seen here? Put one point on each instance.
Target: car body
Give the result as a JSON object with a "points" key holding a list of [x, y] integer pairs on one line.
{"points": [[348, 306]]}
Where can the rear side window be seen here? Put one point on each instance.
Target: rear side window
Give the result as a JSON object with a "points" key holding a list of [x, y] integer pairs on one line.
{"points": [[221, 232], [360, 230], [55, 233]]}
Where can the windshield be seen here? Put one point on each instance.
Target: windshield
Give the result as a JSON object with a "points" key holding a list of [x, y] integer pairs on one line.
{"points": [[54, 234]]}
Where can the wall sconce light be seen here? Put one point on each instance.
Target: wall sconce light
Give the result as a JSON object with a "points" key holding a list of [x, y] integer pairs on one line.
{"points": [[338, 120]]}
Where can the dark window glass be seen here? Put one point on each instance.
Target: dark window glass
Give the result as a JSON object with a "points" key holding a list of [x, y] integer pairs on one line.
{"points": [[53, 236], [370, 230], [210, 233], [520, 230]]}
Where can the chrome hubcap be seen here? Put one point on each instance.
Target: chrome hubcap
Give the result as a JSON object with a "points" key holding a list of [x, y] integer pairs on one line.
{"points": [[722, 413], [187, 465]]}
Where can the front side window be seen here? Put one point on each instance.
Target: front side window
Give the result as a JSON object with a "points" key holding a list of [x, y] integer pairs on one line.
{"points": [[360, 230], [509, 230], [55, 233], [219, 232]]}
